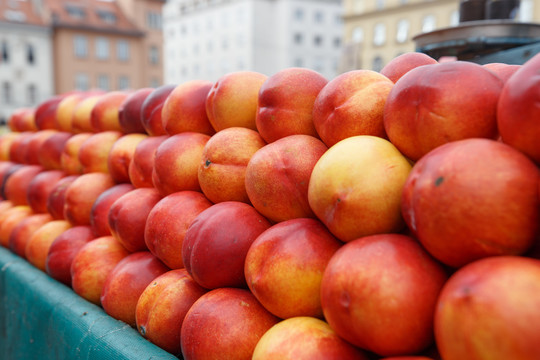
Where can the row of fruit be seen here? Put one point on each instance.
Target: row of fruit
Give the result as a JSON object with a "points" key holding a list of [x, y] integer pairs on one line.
{"points": [[389, 215]]}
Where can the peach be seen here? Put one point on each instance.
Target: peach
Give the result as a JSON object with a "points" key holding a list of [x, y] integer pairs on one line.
{"points": [[39, 243], [23, 231], [184, 110], [22, 120], [379, 293], [142, 163], [463, 208], [104, 115], [81, 120], [35, 145], [45, 113], [167, 224], [232, 100], [65, 110], [69, 158], [6, 140], [176, 163], [284, 267], [62, 251], [92, 264], [120, 156], [489, 310], [223, 231], [99, 214], [503, 71], [16, 185], [9, 219], [518, 112], [51, 150], [222, 169], [355, 187], [162, 306], [304, 337], [57, 197], [351, 104], [128, 215], [40, 187], [151, 110], [126, 282], [419, 117], [81, 195], [224, 323], [94, 151], [129, 112], [277, 177], [18, 149], [285, 104], [403, 63]]}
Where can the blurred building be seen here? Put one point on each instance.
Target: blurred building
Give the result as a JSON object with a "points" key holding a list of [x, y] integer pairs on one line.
{"points": [[205, 39], [376, 31], [26, 64]]}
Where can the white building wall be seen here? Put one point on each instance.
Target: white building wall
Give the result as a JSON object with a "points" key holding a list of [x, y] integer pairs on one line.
{"points": [[19, 73], [207, 39]]}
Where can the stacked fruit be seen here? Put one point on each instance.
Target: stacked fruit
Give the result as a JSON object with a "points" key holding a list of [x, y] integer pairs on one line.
{"points": [[389, 215]]}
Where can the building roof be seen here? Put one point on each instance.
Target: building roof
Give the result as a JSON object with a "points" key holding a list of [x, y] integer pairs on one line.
{"points": [[21, 12], [91, 15]]}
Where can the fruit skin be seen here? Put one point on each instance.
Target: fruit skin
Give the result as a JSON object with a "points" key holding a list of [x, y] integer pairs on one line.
{"points": [[129, 112], [65, 109], [23, 230], [351, 104], [126, 282], [224, 323], [127, 217], [81, 121], [518, 111], [285, 105], [184, 110], [57, 197], [9, 219], [232, 100], [151, 110], [34, 146], [99, 214], [40, 187], [50, 150], [39, 243], [120, 155], [92, 264], [284, 267], [176, 163], [489, 310], [168, 222], [401, 64], [18, 148], [21, 120], [45, 113], [304, 337], [503, 71], [419, 117], [277, 177], [16, 185], [224, 231], [355, 187], [162, 307], [462, 207], [94, 151], [104, 115], [81, 195], [63, 249], [379, 293], [142, 163], [222, 169], [69, 158]]}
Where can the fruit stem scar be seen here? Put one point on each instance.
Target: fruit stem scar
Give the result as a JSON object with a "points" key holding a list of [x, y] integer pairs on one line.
{"points": [[207, 163], [439, 181]]}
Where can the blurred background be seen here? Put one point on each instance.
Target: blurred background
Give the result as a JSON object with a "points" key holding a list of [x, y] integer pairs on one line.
{"points": [[50, 47]]}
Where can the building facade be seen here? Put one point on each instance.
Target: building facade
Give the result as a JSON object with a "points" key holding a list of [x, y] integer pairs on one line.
{"points": [[26, 66], [376, 31], [205, 39]]}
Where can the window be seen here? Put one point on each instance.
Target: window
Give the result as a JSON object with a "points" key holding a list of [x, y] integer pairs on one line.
{"points": [[107, 16], [428, 23], [123, 82], [337, 42], [122, 50], [318, 64], [5, 52], [317, 40], [75, 12], [299, 14], [31, 94], [81, 82], [102, 48], [81, 46], [103, 82], [379, 34], [154, 82], [318, 17], [298, 38], [379, 4], [6, 92], [377, 63], [357, 35], [153, 20], [402, 33], [30, 54], [153, 55]]}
